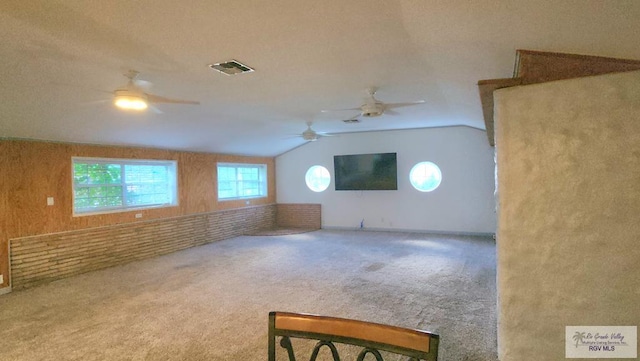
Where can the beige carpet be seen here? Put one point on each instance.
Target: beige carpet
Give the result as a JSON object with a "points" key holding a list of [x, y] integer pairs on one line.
{"points": [[212, 302], [283, 231]]}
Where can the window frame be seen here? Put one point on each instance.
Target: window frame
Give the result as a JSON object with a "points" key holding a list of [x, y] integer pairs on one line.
{"points": [[309, 178], [436, 170], [263, 180], [173, 184]]}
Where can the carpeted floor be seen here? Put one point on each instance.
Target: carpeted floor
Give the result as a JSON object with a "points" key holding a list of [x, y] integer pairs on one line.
{"points": [[283, 231], [212, 302]]}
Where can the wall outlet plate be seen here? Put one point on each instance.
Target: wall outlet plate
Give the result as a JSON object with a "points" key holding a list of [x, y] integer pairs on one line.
{"points": [[1, 279]]}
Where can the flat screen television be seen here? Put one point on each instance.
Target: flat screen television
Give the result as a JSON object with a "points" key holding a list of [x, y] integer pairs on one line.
{"points": [[366, 172]]}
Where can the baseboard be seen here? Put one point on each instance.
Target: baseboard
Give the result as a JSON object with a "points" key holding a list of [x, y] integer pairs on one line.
{"points": [[426, 231], [5, 290]]}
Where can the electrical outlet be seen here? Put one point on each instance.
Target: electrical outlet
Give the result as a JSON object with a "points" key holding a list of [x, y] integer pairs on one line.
{"points": [[1, 279], [49, 201], [138, 215]]}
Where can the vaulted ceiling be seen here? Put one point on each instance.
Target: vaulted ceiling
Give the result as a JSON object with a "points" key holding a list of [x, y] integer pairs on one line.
{"points": [[63, 59]]}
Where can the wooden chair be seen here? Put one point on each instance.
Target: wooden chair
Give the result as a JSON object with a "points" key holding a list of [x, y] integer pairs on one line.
{"points": [[371, 337]]}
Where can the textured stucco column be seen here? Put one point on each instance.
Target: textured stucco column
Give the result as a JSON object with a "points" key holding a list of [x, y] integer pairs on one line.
{"points": [[568, 238]]}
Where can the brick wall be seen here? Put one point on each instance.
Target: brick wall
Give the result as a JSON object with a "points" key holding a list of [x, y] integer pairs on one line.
{"points": [[45, 258], [299, 215]]}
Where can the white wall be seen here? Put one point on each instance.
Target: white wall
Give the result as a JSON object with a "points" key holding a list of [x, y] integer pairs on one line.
{"points": [[569, 211], [463, 203]]}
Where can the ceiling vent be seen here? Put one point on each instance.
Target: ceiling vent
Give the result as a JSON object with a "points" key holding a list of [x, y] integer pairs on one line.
{"points": [[231, 67]]}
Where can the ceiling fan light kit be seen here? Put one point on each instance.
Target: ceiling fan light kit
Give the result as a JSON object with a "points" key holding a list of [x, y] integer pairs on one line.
{"points": [[133, 97], [311, 135], [128, 100], [373, 107], [372, 110]]}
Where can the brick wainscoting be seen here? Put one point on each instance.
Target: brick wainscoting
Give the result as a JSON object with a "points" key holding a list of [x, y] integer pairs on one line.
{"points": [[45, 258], [299, 215]]}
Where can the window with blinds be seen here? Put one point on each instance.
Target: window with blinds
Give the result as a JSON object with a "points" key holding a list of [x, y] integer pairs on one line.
{"points": [[109, 185], [239, 181]]}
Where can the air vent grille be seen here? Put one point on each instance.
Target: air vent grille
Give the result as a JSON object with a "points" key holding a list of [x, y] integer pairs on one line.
{"points": [[231, 67]]}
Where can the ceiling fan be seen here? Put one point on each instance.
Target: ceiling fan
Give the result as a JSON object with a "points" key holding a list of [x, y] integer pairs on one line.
{"points": [[373, 107], [311, 135], [132, 96]]}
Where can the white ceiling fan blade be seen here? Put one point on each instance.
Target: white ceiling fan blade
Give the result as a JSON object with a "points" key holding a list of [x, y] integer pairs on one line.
{"points": [[81, 87], [323, 134], [155, 109], [160, 99], [93, 102], [353, 119], [400, 105], [338, 110], [143, 84]]}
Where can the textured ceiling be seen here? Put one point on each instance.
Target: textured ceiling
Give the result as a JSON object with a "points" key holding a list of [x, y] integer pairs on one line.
{"points": [[62, 59]]}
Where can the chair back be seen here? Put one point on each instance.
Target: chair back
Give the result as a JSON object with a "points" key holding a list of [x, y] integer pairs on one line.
{"points": [[370, 337]]}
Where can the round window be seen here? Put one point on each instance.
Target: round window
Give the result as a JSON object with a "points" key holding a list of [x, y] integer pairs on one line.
{"points": [[425, 176], [317, 178]]}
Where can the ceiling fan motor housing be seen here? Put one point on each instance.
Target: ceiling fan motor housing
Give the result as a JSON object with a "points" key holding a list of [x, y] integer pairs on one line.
{"points": [[128, 92], [131, 99], [372, 110], [309, 135]]}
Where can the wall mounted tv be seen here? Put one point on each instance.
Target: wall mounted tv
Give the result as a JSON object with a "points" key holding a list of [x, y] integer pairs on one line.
{"points": [[366, 172]]}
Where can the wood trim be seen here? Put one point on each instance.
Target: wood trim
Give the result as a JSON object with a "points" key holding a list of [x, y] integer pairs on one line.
{"points": [[543, 66], [486, 88], [534, 67], [4, 267], [367, 331]]}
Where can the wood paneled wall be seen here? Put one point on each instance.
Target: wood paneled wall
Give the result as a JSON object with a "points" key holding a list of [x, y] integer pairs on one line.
{"points": [[31, 171]]}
